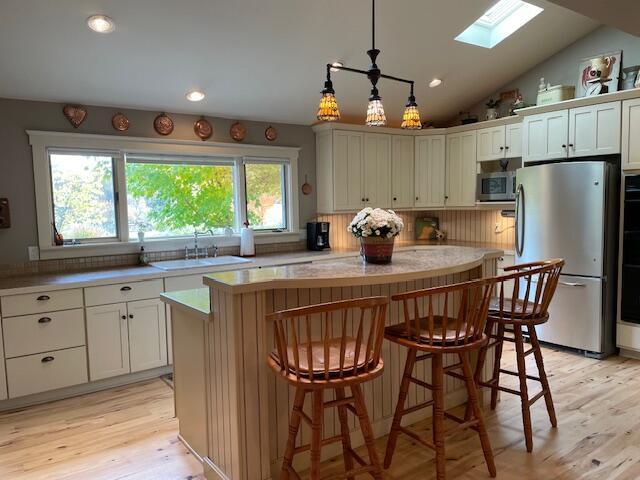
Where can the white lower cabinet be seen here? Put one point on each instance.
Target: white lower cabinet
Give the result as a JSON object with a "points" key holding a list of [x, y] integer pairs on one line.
{"points": [[108, 341], [3, 374], [46, 371], [147, 334]]}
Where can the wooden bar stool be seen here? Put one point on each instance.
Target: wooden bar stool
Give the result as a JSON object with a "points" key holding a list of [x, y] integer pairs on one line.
{"points": [[532, 288], [441, 320], [330, 356]]}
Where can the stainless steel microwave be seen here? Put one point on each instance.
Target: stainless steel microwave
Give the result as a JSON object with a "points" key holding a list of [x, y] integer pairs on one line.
{"points": [[496, 187]]}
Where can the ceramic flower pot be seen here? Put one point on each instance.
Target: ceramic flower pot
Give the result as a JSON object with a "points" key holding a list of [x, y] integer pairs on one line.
{"points": [[377, 249]]}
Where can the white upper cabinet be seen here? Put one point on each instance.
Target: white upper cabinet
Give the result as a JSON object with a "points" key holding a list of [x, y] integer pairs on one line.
{"points": [[147, 334], [461, 169], [376, 190], [544, 136], [348, 162], [402, 174], [430, 171], [513, 140], [631, 134], [107, 341], [594, 130], [491, 143]]}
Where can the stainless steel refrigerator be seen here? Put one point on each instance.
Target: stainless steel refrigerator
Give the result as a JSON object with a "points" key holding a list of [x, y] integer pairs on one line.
{"points": [[570, 210]]}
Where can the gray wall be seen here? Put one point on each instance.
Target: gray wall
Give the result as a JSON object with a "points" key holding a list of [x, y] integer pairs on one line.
{"points": [[562, 68], [16, 169]]}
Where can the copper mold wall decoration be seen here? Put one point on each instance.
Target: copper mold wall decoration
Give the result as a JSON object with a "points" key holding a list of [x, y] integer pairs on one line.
{"points": [[270, 133], [120, 122], [203, 129], [238, 131], [75, 114], [163, 124]]}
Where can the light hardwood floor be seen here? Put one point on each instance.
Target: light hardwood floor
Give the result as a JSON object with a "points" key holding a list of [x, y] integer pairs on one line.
{"points": [[130, 433]]}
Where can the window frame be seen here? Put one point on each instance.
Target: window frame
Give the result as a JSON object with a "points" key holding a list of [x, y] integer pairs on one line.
{"points": [[45, 143], [285, 189]]}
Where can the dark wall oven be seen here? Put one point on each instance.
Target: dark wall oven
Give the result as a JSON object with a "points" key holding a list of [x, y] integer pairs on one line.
{"points": [[630, 304]]}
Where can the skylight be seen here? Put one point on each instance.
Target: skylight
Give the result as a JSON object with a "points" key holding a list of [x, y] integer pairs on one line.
{"points": [[497, 23]]}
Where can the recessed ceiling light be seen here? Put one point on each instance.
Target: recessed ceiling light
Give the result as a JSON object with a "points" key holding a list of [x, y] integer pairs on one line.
{"points": [[195, 96], [336, 64], [435, 83], [100, 23]]}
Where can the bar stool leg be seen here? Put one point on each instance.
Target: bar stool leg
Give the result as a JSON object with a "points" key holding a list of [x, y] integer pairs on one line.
{"points": [[294, 426], [477, 412], [524, 394], [537, 353], [397, 417], [316, 433], [344, 431], [497, 356], [367, 431], [437, 377]]}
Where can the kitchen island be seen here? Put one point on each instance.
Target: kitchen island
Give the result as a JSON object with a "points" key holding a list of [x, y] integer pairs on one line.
{"points": [[246, 411]]}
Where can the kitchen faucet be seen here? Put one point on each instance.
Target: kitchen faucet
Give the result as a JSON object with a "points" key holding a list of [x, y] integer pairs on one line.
{"points": [[196, 249]]}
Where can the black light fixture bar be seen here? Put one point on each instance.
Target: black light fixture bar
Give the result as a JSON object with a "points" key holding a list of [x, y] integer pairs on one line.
{"points": [[366, 73]]}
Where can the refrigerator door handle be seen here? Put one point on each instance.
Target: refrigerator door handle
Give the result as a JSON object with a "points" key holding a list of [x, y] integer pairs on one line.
{"points": [[519, 205]]}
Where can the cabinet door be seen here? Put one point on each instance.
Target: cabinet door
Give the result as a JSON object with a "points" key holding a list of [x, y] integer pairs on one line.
{"points": [[630, 137], [147, 334], [3, 373], [377, 170], [545, 136], [402, 172], [461, 170], [594, 130], [430, 171], [107, 341], [348, 155], [513, 140], [491, 143]]}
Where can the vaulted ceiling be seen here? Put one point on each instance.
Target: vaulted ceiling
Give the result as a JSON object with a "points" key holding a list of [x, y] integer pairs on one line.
{"points": [[621, 14], [264, 59]]}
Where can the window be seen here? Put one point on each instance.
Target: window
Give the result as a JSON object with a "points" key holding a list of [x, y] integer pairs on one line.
{"points": [[499, 22], [265, 194], [82, 186], [101, 192], [174, 197]]}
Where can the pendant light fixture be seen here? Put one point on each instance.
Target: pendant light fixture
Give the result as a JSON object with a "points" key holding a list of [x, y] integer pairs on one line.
{"points": [[328, 110]]}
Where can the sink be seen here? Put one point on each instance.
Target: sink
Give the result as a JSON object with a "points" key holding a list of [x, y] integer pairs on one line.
{"points": [[200, 262]]}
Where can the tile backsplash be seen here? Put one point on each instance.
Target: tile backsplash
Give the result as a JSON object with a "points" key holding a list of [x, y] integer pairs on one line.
{"points": [[484, 226]]}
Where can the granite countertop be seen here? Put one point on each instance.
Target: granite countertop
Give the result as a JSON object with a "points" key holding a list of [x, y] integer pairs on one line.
{"points": [[196, 301], [105, 276], [409, 263]]}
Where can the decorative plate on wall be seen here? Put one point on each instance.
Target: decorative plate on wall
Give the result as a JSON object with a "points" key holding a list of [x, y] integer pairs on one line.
{"points": [[75, 114], [238, 131], [270, 133], [120, 122], [163, 124], [203, 129]]}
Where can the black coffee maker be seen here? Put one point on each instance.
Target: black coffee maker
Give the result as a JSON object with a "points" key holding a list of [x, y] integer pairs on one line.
{"points": [[318, 235]]}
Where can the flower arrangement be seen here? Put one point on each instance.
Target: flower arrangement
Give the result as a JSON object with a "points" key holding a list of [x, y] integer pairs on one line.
{"points": [[375, 222]]}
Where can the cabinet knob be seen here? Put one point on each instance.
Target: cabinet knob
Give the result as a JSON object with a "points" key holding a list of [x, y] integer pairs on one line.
{"points": [[416, 198], [124, 317], [363, 199], [571, 145], [506, 148], [42, 298], [501, 148], [564, 145], [130, 315], [446, 196], [367, 200], [395, 198], [47, 359], [125, 289], [44, 320]]}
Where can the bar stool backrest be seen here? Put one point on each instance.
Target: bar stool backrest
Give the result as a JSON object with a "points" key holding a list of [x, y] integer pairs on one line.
{"points": [[331, 340], [452, 315], [533, 284]]}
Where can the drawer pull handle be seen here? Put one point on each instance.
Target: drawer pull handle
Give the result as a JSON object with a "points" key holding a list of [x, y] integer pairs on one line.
{"points": [[47, 359], [130, 315], [125, 289], [42, 298], [44, 320], [124, 317]]}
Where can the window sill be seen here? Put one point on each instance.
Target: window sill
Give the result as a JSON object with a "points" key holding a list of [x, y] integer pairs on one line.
{"points": [[160, 245]]}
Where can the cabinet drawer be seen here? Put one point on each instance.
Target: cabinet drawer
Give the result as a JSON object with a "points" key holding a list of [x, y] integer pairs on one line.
{"points": [[14, 305], [122, 292], [31, 334], [46, 371]]}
